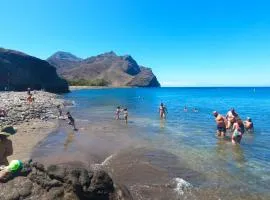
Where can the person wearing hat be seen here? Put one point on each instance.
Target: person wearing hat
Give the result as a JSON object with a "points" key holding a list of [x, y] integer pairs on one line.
{"points": [[6, 148], [221, 124], [249, 124]]}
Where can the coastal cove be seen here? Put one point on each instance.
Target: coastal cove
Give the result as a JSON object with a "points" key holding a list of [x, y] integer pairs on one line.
{"points": [[176, 158]]}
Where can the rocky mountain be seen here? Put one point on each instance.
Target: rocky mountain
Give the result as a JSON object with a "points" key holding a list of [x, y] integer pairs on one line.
{"points": [[19, 71], [115, 70]]}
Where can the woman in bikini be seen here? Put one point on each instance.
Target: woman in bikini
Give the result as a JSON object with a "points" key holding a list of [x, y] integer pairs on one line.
{"points": [[162, 111], [238, 131]]}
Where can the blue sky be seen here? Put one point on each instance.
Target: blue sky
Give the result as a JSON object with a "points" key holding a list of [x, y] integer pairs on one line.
{"points": [[186, 43]]}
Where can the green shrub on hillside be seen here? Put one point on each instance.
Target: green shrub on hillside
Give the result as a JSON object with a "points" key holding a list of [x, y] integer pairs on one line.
{"points": [[84, 82]]}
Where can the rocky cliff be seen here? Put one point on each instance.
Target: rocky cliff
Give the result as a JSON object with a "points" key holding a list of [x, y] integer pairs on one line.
{"points": [[19, 71], [115, 70]]}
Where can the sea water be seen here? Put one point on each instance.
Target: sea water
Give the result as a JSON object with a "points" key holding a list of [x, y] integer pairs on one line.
{"points": [[190, 135]]}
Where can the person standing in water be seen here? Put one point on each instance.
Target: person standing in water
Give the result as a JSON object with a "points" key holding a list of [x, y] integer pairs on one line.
{"points": [[238, 131], [249, 125], [162, 111], [221, 124], [231, 117], [117, 113], [126, 115]]}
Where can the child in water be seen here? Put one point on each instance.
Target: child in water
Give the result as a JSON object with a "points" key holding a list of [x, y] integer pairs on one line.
{"points": [[117, 113], [126, 115]]}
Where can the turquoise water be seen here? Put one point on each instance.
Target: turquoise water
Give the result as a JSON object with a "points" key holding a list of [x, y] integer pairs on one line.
{"points": [[190, 135]]}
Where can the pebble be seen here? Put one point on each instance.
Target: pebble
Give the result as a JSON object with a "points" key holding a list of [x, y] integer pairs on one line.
{"points": [[19, 110]]}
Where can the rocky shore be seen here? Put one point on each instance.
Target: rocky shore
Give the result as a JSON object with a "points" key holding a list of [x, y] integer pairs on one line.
{"points": [[19, 110], [35, 181], [67, 182], [33, 121]]}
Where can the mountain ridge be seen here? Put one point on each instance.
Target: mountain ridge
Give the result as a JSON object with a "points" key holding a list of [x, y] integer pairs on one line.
{"points": [[115, 70]]}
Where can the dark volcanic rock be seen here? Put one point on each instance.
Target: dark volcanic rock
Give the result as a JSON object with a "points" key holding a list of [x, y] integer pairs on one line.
{"points": [[116, 70], [145, 78], [65, 182], [19, 71]]}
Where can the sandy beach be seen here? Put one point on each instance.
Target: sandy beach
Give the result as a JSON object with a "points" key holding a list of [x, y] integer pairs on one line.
{"points": [[29, 135], [33, 121]]}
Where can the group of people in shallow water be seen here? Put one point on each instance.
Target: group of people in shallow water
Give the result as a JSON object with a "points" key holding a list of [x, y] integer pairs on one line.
{"points": [[118, 112], [233, 124]]}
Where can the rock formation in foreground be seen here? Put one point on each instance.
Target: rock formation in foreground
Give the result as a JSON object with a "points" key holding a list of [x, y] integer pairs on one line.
{"points": [[19, 71], [114, 70], [62, 182]]}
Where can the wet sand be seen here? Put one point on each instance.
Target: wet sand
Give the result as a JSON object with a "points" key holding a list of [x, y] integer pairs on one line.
{"points": [[28, 136], [114, 147], [148, 172]]}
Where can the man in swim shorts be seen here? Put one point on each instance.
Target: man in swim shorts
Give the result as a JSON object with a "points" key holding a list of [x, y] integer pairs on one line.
{"points": [[221, 124], [249, 124]]}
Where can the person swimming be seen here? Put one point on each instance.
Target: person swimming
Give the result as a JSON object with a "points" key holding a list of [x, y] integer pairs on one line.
{"points": [[185, 109], [117, 113], [221, 124], [162, 111], [249, 125], [126, 115], [238, 131], [195, 110]]}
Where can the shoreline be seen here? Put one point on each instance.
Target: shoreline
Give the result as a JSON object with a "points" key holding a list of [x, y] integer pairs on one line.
{"points": [[33, 121], [29, 136], [71, 88]]}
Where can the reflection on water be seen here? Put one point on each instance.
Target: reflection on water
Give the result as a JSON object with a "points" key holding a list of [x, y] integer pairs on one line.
{"points": [[238, 155], [69, 140], [162, 123]]}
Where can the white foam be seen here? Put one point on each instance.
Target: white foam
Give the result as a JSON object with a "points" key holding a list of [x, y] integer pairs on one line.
{"points": [[181, 185], [107, 160], [97, 166]]}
